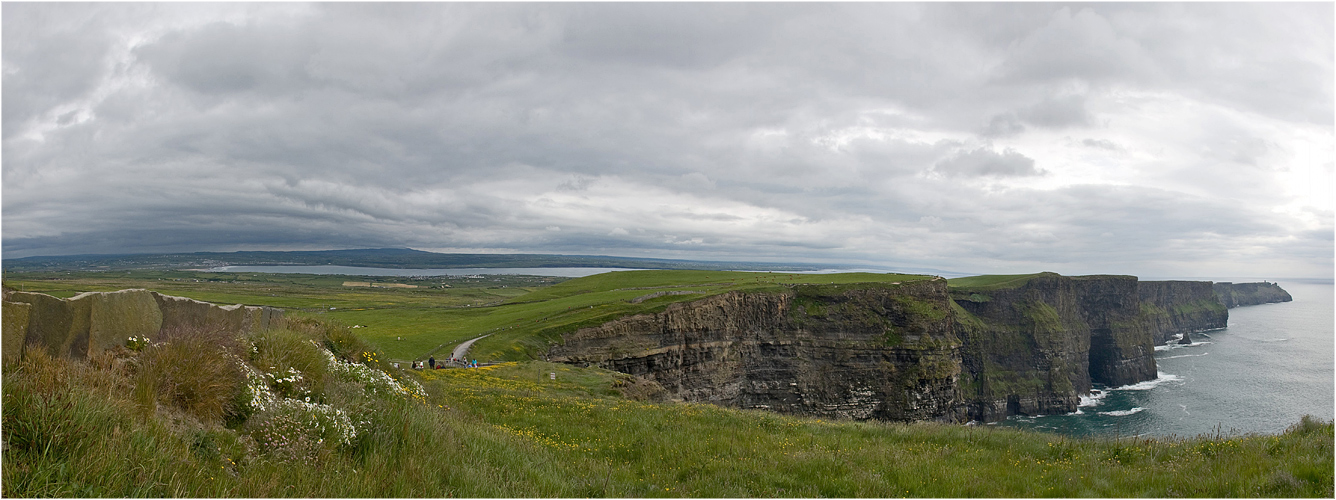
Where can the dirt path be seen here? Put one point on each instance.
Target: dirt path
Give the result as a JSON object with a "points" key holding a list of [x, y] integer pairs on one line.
{"points": [[462, 349]]}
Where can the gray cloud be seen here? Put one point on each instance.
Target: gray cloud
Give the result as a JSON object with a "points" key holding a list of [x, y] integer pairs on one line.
{"points": [[983, 162], [886, 134]]}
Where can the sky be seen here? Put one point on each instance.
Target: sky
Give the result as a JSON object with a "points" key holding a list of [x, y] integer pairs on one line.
{"points": [[1153, 139]]}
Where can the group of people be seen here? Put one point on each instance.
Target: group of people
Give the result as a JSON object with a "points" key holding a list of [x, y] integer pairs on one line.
{"points": [[431, 362]]}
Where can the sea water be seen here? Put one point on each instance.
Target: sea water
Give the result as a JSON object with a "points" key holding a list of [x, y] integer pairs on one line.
{"points": [[1269, 368]]}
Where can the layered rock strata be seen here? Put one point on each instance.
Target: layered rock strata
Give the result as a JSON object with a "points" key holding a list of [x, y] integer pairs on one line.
{"points": [[887, 351], [1035, 347], [90, 322], [1172, 308], [872, 351]]}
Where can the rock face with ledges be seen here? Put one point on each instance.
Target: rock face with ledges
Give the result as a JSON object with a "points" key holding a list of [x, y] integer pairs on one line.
{"points": [[1026, 348], [908, 352], [1122, 350], [883, 352], [1180, 307]]}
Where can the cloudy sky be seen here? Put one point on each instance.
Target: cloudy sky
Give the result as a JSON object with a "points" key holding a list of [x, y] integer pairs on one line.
{"points": [[1186, 140]]}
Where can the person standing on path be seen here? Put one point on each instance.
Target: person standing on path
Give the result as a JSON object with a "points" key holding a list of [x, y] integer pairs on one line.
{"points": [[431, 360]]}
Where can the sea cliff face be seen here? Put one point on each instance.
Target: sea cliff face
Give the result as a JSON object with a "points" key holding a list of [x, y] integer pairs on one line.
{"points": [[1036, 346], [874, 351], [1250, 294], [1177, 307], [917, 351]]}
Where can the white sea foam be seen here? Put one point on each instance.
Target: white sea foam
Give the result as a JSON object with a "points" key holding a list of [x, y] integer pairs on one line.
{"points": [[1185, 356], [1092, 399], [1175, 345], [1149, 384], [1273, 340], [1122, 413]]}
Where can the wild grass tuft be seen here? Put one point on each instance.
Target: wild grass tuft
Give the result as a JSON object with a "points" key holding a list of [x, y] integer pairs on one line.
{"points": [[192, 369]]}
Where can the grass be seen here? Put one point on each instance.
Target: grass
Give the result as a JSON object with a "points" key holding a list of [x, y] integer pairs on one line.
{"points": [[512, 430], [991, 281]]}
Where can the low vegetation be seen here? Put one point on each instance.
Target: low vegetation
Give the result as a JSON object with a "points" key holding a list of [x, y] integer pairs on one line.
{"points": [[310, 411]]}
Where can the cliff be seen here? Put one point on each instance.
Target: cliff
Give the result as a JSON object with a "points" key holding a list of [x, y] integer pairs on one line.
{"points": [[1250, 294], [879, 351], [903, 352], [1035, 345], [94, 321], [1180, 307]]}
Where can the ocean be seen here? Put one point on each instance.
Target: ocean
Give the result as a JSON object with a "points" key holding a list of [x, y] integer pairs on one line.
{"points": [[1269, 368]]}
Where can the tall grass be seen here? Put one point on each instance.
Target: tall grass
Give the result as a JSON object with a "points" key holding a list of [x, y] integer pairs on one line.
{"points": [[192, 369]]}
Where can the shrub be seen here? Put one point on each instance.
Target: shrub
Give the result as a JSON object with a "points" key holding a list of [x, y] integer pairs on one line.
{"points": [[191, 369], [296, 430], [374, 381], [293, 365], [337, 339]]}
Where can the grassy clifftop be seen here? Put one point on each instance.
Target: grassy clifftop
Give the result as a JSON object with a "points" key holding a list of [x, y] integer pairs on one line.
{"points": [[523, 326]]}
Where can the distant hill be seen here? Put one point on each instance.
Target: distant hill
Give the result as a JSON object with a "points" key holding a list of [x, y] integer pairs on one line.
{"points": [[394, 258]]}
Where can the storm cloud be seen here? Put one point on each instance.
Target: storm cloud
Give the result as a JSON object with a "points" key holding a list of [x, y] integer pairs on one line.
{"points": [[1154, 139]]}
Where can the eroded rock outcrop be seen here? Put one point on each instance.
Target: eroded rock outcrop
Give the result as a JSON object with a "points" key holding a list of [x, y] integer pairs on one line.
{"points": [[94, 321]]}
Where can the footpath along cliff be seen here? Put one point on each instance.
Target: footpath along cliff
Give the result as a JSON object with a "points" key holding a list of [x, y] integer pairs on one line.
{"points": [[979, 350]]}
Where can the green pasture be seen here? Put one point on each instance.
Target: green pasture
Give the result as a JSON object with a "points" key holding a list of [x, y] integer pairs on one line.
{"points": [[990, 281]]}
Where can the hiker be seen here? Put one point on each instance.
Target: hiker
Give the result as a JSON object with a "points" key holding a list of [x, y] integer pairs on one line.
{"points": [[432, 362]]}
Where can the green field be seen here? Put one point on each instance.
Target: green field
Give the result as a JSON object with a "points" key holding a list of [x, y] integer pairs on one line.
{"points": [[990, 281], [522, 314]]}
